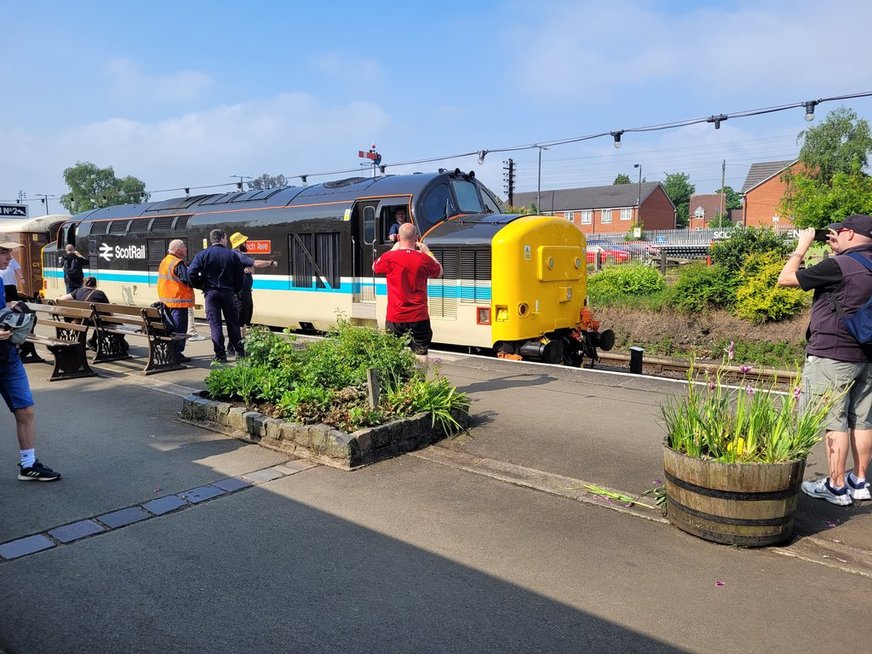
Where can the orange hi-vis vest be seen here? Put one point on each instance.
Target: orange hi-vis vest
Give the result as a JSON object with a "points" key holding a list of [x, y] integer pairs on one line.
{"points": [[171, 290]]}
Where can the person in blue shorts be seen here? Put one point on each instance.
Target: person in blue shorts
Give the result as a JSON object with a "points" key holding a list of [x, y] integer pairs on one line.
{"points": [[15, 389]]}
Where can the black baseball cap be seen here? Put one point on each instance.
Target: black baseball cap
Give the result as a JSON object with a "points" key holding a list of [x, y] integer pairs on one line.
{"points": [[858, 223]]}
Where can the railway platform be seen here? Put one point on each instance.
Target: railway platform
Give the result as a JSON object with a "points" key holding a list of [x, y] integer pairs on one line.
{"points": [[166, 537]]}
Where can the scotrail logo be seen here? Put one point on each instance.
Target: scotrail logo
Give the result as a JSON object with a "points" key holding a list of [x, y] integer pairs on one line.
{"points": [[106, 251]]}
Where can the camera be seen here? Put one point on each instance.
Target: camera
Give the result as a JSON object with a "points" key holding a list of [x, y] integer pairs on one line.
{"points": [[821, 235]]}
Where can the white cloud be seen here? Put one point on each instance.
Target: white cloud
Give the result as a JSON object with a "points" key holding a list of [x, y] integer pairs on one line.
{"points": [[597, 52], [291, 133], [129, 84]]}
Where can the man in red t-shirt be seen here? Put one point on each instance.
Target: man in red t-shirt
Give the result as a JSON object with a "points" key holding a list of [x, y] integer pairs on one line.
{"points": [[408, 266]]}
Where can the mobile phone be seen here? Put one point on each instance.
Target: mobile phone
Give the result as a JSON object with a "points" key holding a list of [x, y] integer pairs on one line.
{"points": [[822, 235]]}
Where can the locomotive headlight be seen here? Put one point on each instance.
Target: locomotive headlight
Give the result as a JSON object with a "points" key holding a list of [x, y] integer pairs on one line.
{"points": [[550, 263], [577, 263]]}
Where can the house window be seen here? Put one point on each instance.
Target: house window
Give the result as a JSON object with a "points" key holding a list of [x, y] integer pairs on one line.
{"points": [[587, 217], [699, 214], [568, 215], [607, 216], [626, 214]]}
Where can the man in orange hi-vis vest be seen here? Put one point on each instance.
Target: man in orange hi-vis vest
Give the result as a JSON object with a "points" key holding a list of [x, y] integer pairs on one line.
{"points": [[174, 290]]}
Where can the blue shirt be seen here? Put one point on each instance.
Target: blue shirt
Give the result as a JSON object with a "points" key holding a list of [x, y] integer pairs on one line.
{"points": [[220, 267]]}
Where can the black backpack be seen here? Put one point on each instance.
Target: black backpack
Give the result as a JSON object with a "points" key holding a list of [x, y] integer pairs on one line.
{"points": [[164, 316], [72, 266]]}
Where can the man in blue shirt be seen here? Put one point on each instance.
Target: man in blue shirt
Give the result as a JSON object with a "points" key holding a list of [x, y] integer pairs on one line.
{"points": [[222, 275], [15, 389]]}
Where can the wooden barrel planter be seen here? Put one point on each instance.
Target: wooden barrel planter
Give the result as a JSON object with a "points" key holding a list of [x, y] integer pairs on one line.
{"points": [[744, 504]]}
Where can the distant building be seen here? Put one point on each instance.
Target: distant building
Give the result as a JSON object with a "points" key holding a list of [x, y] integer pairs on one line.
{"points": [[607, 209], [764, 189], [703, 209]]}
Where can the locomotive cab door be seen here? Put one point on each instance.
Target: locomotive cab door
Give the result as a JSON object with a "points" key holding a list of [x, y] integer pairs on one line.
{"points": [[372, 220]]}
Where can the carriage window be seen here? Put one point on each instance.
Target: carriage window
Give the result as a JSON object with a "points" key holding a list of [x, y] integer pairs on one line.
{"points": [[369, 225], [467, 197]]}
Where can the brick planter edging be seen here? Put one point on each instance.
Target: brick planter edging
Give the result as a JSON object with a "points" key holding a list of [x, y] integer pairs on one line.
{"points": [[321, 443]]}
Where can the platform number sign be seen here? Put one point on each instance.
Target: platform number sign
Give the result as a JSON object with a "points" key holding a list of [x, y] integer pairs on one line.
{"points": [[13, 211]]}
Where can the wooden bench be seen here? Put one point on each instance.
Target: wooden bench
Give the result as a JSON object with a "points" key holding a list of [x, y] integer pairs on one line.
{"points": [[68, 344], [113, 323]]}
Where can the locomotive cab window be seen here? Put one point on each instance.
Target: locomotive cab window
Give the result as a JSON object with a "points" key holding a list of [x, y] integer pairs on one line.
{"points": [[388, 218], [436, 206], [467, 196]]}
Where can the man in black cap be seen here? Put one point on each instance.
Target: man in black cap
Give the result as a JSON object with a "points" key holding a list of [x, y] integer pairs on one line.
{"points": [[835, 360]]}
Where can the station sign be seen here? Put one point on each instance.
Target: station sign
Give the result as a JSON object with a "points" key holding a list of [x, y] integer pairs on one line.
{"points": [[258, 247], [13, 210]]}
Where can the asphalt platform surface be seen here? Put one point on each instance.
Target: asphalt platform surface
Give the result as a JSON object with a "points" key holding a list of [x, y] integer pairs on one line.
{"points": [[166, 537]]}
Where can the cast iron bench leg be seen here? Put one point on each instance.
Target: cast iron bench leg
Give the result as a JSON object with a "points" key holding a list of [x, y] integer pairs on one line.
{"points": [[162, 355], [70, 362]]}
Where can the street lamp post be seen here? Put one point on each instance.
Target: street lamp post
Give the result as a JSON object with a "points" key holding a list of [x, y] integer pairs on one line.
{"points": [[639, 196]]}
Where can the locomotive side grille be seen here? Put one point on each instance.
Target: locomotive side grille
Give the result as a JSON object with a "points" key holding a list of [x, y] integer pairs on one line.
{"points": [[118, 226], [162, 224], [448, 259], [315, 258], [475, 274]]}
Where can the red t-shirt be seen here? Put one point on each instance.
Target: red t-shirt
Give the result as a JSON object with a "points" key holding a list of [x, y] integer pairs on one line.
{"points": [[407, 272]]}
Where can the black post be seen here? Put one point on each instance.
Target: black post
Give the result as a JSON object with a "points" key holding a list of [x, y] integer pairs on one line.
{"points": [[636, 354]]}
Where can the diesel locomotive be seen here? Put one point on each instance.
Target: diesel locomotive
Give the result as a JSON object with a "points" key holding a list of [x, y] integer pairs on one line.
{"points": [[512, 284]]}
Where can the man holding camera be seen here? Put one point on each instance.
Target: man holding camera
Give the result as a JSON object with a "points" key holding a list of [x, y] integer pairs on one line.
{"points": [[408, 265], [835, 360]]}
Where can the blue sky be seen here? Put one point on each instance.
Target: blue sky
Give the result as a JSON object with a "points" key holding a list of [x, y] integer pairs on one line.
{"points": [[191, 93]]}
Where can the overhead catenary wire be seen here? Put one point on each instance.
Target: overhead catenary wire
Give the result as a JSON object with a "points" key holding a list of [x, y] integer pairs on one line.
{"points": [[482, 152]]}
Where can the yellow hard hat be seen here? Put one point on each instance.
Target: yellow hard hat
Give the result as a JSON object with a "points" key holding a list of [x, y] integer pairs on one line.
{"points": [[237, 239]]}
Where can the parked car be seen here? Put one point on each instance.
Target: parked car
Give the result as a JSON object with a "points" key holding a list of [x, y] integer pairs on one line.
{"points": [[609, 252]]}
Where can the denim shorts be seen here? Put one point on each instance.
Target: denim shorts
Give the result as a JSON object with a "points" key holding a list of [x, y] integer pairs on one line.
{"points": [[821, 375], [14, 386]]}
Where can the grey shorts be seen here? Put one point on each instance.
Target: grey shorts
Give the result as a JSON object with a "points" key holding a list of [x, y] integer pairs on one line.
{"points": [[854, 411]]}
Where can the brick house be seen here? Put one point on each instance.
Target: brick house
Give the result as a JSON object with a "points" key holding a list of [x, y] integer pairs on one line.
{"points": [[703, 209], [607, 209], [763, 190]]}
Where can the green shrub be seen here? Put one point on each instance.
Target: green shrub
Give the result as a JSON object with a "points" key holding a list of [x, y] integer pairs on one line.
{"points": [[700, 287], [326, 381], [617, 282], [732, 253], [759, 297]]}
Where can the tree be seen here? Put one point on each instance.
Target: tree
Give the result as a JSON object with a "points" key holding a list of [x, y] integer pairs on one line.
{"points": [[527, 209], [266, 181], [720, 220], [622, 179], [839, 143], [732, 199], [679, 189], [831, 184], [92, 187]]}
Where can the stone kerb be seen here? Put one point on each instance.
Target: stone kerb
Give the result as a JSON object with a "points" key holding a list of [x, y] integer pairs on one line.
{"points": [[321, 443]]}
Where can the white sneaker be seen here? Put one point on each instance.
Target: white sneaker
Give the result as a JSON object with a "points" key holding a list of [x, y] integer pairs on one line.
{"points": [[196, 337], [857, 491], [822, 490]]}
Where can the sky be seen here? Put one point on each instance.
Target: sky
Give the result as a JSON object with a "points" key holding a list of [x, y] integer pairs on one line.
{"points": [[198, 94]]}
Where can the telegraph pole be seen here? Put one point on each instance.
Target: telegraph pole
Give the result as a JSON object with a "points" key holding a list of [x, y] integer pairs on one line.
{"points": [[509, 176], [723, 199]]}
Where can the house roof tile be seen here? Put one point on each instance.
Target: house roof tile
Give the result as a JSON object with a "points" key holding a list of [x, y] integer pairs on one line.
{"points": [[592, 197], [760, 172]]}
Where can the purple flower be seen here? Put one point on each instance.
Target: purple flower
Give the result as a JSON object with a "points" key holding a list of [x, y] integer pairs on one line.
{"points": [[744, 369], [749, 390], [797, 392], [711, 384], [720, 584], [729, 350]]}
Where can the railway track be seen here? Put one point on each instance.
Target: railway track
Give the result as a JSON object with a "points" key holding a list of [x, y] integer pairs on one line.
{"points": [[678, 368]]}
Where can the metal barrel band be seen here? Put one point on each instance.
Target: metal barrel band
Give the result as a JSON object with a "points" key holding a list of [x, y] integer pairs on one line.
{"points": [[733, 495], [743, 522]]}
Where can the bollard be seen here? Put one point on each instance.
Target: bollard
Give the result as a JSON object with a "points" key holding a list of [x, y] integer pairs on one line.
{"points": [[636, 354]]}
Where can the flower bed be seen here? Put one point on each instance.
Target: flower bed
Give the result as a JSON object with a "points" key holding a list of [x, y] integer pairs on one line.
{"points": [[323, 443]]}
